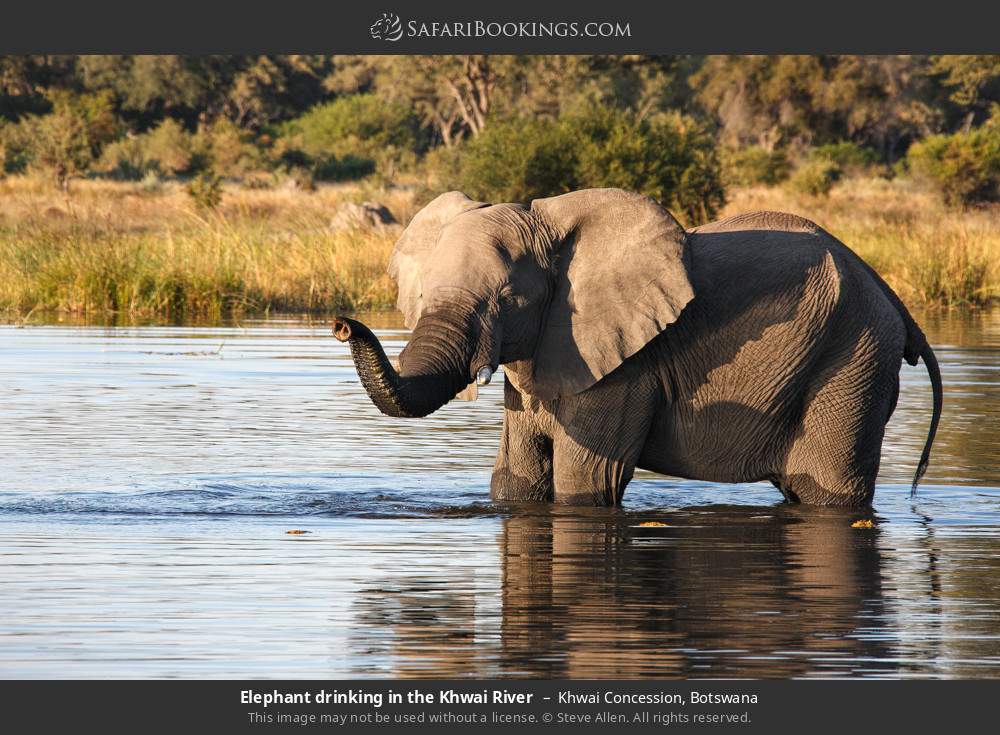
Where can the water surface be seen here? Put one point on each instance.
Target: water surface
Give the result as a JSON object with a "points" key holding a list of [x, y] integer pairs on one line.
{"points": [[149, 477]]}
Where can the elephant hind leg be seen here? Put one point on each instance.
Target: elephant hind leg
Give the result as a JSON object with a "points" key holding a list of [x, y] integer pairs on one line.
{"points": [[790, 495], [849, 492], [835, 462], [834, 458]]}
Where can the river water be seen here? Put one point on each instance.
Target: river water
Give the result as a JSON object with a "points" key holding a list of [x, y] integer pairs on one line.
{"points": [[150, 476]]}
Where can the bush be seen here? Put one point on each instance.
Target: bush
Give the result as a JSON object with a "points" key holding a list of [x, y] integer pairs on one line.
{"points": [[225, 149], [754, 165], [123, 160], [15, 149], [815, 177], [348, 168], [260, 181], [170, 150], [667, 158], [206, 190], [59, 144], [441, 168], [166, 149], [68, 139], [354, 136], [851, 158], [965, 167], [299, 178], [517, 161], [151, 184]]}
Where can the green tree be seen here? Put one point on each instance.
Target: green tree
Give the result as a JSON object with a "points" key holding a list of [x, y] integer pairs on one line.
{"points": [[452, 95], [517, 161], [457, 96], [882, 102], [666, 156], [68, 139], [355, 134], [753, 165], [250, 91], [964, 167], [24, 81], [973, 82]]}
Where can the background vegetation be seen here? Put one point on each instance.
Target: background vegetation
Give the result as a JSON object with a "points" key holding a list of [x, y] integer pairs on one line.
{"points": [[206, 185]]}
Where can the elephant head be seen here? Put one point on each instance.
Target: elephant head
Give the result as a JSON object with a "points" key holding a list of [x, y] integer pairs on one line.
{"points": [[561, 292]]}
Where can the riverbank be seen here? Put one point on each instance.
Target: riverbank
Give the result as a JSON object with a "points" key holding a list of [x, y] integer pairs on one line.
{"points": [[122, 249], [137, 251]]}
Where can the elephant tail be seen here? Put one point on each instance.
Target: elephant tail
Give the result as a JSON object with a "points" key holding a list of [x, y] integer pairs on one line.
{"points": [[930, 362]]}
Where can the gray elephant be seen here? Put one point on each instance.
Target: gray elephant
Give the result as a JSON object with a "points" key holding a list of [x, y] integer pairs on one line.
{"points": [[755, 348]]}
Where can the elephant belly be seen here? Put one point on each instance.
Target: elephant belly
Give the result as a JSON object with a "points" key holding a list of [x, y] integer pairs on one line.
{"points": [[734, 419], [725, 442]]}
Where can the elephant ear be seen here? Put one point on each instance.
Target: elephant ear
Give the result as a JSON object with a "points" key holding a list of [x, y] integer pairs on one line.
{"points": [[415, 245], [621, 272]]}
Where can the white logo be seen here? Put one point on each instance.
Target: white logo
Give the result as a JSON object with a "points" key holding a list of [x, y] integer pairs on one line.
{"points": [[387, 28]]}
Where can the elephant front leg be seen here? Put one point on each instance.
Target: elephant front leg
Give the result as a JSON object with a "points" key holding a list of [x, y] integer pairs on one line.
{"points": [[523, 468], [599, 437]]}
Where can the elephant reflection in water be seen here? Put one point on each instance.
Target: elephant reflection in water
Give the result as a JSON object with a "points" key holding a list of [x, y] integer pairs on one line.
{"points": [[768, 592], [418, 627], [779, 594]]}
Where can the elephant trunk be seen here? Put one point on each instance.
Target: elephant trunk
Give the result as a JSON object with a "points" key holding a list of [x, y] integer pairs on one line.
{"points": [[436, 372]]}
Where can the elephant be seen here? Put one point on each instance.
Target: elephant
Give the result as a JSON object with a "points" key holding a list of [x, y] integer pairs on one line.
{"points": [[755, 348], [562, 571]]}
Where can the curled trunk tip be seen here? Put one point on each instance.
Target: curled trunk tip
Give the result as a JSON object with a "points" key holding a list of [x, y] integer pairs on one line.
{"points": [[343, 328]]}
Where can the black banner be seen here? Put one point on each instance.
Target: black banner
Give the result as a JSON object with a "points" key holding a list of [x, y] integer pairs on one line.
{"points": [[516, 26], [520, 706]]}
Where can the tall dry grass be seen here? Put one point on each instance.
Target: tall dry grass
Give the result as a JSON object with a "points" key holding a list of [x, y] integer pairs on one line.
{"points": [[123, 249], [137, 252]]}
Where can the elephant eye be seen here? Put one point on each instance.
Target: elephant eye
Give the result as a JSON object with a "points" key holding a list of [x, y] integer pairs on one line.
{"points": [[510, 300]]}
